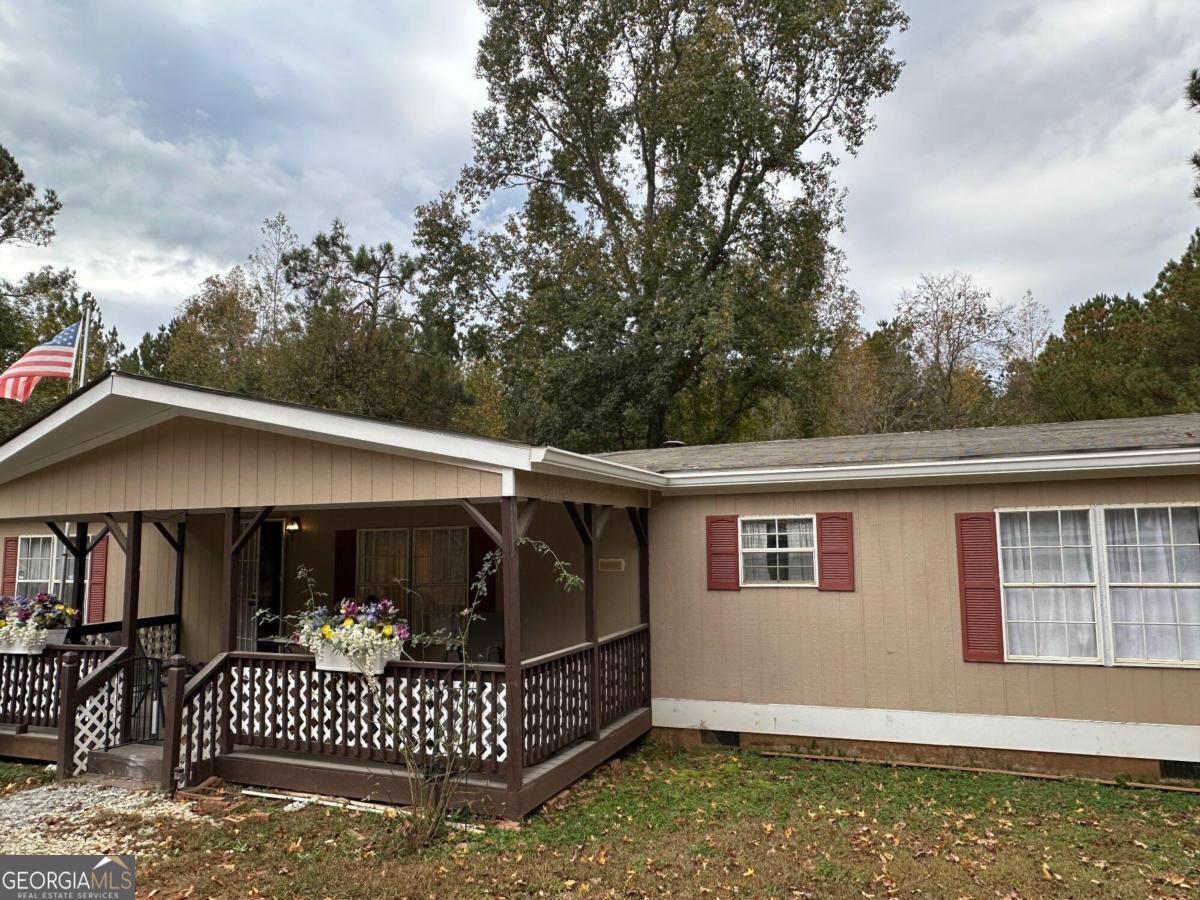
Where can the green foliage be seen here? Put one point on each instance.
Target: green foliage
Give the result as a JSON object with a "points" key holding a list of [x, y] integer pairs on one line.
{"points": [[329, 324], [670, 250], [24, 219], [1119, 356], [1192, 94]]}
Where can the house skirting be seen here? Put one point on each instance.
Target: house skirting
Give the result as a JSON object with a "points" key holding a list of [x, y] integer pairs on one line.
{"points": [[1078, 737]]}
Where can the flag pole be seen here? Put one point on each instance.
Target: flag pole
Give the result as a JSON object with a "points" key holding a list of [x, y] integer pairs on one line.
{"points": [[83, 340]]}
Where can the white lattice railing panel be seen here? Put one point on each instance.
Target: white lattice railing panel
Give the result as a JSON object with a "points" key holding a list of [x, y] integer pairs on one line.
{"points": [[286, 703], [98, 720], [159, 641], [203, 715]]}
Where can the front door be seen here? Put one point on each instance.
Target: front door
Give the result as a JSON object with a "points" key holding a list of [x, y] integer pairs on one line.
{"points": [[261, 588]]}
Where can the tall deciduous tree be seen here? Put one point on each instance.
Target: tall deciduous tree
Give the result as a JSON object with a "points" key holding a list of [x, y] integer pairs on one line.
{"points": [[674, 171]]}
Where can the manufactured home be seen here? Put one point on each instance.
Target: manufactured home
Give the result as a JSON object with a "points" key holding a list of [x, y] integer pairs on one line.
{"points": [[1026, 596]]}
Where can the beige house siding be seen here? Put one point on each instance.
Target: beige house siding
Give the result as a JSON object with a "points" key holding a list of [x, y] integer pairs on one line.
{"points": [[192, 464], [895, 642], [553, 487]]}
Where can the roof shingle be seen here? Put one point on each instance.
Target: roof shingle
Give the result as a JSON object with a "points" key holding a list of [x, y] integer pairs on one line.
{"points": [[1150, 433]]}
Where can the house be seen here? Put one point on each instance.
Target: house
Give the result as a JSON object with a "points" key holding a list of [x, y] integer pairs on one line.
{"points": [[1026, 595]]}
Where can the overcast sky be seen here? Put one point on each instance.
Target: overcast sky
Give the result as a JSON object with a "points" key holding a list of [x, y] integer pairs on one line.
{"points": [[1037, 144]]}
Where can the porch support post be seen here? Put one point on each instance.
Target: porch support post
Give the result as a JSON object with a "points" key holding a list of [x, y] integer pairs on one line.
{"points": [[514, 699], [229, 579], [586, 525], [129, 612], [80, 559], [639, 519], [133, 580], [181, 538], [68, 684]]}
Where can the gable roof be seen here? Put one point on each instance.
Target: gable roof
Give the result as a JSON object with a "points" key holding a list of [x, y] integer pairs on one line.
{"points": [[1111, 435], [118, 404]]}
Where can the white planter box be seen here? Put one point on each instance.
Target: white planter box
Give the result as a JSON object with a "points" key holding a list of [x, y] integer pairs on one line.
{"points": [[330, 659], [51, 635]]}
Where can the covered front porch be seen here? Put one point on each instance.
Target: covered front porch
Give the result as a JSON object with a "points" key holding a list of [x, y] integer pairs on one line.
{"points": [[192, 674]]}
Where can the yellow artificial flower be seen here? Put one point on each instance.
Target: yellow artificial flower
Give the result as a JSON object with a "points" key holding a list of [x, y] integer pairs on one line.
{"points": [[3, 623], [348, 622], [387, 630], [59, 606], [326, 630], [72, 611]]}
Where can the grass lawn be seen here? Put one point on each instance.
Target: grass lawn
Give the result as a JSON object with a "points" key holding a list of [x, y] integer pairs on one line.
{"points": [[15, 776], [688, 823]]}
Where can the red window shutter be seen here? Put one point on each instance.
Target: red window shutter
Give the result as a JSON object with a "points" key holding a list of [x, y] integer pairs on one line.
{"points": [[722, 535], [8, 585], [345, 565], [979, 587], [835, 551], [97, 576]]}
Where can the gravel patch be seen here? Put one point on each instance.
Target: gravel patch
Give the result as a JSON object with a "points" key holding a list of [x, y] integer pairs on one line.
{"points": [[77, 818]]}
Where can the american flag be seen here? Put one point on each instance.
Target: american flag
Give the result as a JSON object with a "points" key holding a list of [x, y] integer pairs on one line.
{"points": [[53, 359]]}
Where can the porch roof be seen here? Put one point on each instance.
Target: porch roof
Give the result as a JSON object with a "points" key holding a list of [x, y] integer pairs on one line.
{"points": [[118, 404]]}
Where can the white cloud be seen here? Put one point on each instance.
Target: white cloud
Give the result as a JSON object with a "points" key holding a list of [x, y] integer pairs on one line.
{"points": [[1035, 144]]}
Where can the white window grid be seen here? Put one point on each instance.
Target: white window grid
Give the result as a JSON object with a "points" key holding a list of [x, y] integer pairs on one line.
{"points": [[1108, 656], [53, 567], [1011, 584], [742, 550], [1171, 556]]}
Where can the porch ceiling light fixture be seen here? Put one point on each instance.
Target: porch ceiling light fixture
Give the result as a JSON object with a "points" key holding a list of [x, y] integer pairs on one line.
{"points": [[292, 526]]}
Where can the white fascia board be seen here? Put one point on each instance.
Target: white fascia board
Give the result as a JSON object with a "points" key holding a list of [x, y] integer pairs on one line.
{"points": [[316, 424], [57, 419], [1084, 737], [1128, 462], [553, 461]]}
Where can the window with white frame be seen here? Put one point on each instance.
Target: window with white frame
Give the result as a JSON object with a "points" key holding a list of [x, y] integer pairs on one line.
{"points": [[1153, 555], [382, 564], [43, 564], [1048, 583], [778, 551]]}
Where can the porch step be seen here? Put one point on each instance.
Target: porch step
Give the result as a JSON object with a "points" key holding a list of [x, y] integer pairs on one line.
{"points": [[142, 762]]}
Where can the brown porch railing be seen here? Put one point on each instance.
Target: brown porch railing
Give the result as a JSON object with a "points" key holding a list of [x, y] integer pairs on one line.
{"points": [[555, 688], [283, 702], [93, 709], [624, 673], [29, 684]]}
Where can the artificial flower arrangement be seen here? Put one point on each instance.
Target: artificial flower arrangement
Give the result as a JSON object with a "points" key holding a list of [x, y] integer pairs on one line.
{"points": [[28, 624], [353, 636]]}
